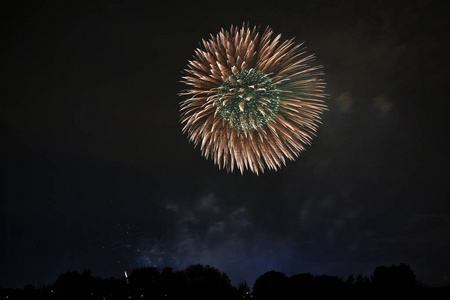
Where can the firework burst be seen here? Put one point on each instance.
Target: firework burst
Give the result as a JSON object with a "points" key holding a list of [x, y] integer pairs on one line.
{"points": [[254, 101]]}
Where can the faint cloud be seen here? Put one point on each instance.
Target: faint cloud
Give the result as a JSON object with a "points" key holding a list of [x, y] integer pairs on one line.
{"points": [[345, 101], [206, 232], [426, 217], [382, 103], [172, 207], [427, 240], [209, 203], [216, 228], [434, 233], [189, 217], [305, 211], [335, 219], [354, 213], [238, 219]]}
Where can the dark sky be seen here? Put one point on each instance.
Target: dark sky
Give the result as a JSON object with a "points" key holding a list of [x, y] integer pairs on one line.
{"points": [[97, 174]]}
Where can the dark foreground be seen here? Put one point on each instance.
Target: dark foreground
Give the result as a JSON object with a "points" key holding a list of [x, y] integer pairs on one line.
{"points": [[205, 282]]}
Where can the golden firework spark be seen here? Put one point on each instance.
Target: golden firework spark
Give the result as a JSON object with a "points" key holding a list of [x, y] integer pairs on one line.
{"points": [[253, 100]]}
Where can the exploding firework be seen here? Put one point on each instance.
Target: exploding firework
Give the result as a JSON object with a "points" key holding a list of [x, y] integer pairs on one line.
{"points": [[254, 101]]}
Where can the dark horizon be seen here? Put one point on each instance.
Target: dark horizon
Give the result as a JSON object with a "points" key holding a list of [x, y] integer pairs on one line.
{"points": [[393, 275], [98, 175]]}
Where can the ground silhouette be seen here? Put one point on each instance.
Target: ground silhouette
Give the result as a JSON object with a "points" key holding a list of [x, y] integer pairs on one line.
{"points": [[203, 282]]}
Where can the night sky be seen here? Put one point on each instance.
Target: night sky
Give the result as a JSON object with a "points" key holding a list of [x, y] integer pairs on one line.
{"points": [[97, 174]]}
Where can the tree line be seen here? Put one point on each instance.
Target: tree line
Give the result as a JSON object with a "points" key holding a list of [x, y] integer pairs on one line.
{"points": [[203, 282]]}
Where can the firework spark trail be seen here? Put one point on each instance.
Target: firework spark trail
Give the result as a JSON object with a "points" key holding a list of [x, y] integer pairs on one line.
{"points": [[253, 100]]}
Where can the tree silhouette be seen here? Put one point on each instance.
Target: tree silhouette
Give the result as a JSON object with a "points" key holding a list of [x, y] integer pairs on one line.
{"points": [[73, 285], [359, 282], [144, 282], [299, 283], [202, 282], [394, 277], [206, 282], [243, 290], [173, 285], [270, 285]]}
